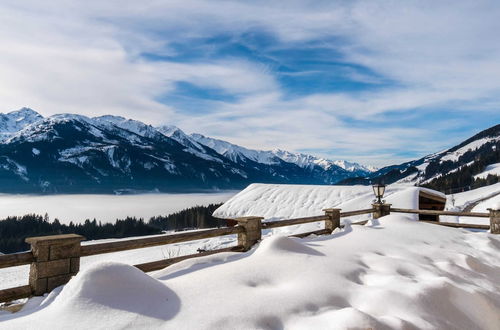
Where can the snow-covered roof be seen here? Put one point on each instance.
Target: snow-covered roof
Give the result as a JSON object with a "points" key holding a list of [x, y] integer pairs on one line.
{"points": [[281, 201]]}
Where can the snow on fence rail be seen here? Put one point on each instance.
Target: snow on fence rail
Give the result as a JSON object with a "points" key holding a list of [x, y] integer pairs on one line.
{"points": [[55, 259]]}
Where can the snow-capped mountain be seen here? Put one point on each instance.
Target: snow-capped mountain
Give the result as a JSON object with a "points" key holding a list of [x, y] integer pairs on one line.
{"points": [[74, 153], [16, 120], [276, 156], [454, 168]]}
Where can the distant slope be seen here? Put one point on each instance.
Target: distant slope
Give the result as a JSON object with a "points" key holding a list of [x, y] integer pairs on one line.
{"points": [[457, 168]]}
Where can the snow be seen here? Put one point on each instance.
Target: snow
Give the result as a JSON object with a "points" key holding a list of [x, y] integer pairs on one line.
{"points": [[455, 155], [16, 120], [308, 161], [484, 197], [272, 157], [493, 169], [130, 125], [393, 273], [236, 153], [464, 198], [282, 201]]}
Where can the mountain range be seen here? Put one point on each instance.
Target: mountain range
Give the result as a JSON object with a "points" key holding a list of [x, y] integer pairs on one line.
{"points": [[69, 153]]}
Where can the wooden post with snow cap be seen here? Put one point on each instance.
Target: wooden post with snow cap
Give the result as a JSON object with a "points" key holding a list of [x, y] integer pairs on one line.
{"points": [[333, 219], [494, 221], [380, 210], [252, 233], [57, 259]]}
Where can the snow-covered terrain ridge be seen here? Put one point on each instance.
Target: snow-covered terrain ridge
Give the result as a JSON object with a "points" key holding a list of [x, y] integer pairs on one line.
{"points": [[77, 154], [394, 273]]}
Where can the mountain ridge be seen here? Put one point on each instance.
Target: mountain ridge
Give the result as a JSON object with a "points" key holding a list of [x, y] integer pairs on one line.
{"points": [[74, 153], [453, 169]]}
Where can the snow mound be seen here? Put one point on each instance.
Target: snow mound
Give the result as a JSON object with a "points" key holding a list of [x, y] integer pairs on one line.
{"points": [[276, 245], [117, 287]]}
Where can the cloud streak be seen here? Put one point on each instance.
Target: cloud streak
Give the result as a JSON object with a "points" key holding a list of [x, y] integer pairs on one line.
{"points": [[388, 64]]}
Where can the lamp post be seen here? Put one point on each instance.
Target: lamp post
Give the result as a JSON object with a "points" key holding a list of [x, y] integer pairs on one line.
{"points": [[378, 190], [380, 209]]}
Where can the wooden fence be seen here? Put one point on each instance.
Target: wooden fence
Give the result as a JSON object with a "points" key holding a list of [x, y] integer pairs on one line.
{"points": [[55, 259]]}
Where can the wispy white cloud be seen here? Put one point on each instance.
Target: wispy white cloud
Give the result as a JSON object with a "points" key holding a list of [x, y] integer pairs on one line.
{"points": [[86, 57]]}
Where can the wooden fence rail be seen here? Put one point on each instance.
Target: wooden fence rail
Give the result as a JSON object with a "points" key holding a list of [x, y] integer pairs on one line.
{"points": [[130, 244], [55, 259], [16, 259], [458, 225], [436, 212]]}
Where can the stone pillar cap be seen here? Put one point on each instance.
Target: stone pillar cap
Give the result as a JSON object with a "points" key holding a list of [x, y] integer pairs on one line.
{"points": [[54, 239], [245, 219]]}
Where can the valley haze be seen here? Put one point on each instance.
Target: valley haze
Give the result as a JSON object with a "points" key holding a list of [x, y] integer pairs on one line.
{"points": [[105, 208]]}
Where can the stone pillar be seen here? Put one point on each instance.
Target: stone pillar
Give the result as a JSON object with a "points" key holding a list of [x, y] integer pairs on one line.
{"points": [[57, 258], [381, 210], [333, 219], [252, 233], [494, 221]]}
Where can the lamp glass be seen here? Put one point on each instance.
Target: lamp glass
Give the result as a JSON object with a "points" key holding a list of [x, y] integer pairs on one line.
{"points": [[378, 190]]}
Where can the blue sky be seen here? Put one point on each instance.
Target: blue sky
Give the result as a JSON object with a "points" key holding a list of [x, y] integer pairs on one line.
{"points": [[378, 82]]}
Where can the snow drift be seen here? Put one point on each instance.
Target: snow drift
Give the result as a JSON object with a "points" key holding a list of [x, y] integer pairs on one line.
{"points": [[390, 274]]}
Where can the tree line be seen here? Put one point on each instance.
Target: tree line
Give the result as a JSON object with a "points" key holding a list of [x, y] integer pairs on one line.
{"points": [[15, 229]]}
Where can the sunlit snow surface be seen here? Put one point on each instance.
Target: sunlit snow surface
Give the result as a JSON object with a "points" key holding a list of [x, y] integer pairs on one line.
{"points": [[284, 201], [493, 169], [396, 273]]}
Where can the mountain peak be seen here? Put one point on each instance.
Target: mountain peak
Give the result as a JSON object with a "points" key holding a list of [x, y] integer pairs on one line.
{"points": [[169, 130], [24, 111], [15, 121]]}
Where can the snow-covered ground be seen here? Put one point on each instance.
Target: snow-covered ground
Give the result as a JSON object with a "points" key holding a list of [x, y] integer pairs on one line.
{"points": [[481, 199], [17, 276], [105, 208], [493, 169], [297, 201], [394, 273]]}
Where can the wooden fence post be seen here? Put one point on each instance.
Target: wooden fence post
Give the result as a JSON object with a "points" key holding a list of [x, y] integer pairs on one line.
{"points": [[381, 210], [494, 221], [252, 233], [57, 258], [333, 219]]}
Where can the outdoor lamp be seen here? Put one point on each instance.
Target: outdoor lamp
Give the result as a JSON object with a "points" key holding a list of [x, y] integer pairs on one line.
{"points": [[378, 190]]}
